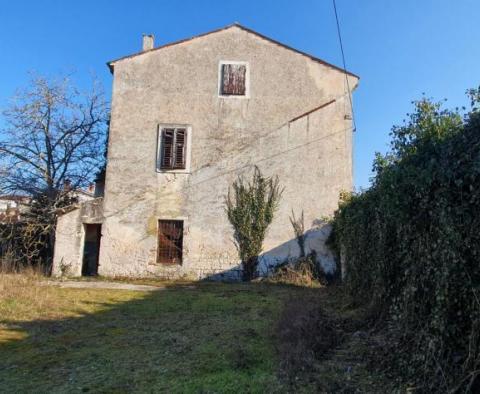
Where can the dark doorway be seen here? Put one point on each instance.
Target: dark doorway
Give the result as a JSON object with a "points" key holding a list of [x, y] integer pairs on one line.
{"points": [[91, 248]]}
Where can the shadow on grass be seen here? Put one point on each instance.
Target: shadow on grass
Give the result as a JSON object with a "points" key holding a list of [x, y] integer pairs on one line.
{"points": [[211, 338]]}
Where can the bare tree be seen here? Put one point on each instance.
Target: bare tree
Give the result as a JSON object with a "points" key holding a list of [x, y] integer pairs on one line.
{"points": [[54, 136], [298, 225], [53, 133]]}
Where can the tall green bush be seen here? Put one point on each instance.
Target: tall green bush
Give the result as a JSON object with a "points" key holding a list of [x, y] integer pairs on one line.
{"points": [[411, 244], [250, 208]]}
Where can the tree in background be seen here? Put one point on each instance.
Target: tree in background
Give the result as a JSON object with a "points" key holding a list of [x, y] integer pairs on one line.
{"points": [[52, 143], [250, 209]]}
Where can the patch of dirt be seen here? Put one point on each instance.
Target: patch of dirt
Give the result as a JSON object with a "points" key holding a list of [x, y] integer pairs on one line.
{"points": [[306, 334], [326, 346], [103, 285]]}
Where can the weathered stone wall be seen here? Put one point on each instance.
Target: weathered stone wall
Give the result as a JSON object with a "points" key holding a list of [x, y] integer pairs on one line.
{"points": [[179, 85], [67, 258], [70, 234], [92, 211]]}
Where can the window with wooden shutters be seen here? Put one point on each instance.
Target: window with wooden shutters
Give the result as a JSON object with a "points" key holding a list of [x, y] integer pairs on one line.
{"points": [[173, 148], [170, 241], [233, 79]]}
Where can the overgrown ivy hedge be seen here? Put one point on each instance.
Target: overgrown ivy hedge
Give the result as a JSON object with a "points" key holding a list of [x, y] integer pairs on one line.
{"points": [[411, 245]]}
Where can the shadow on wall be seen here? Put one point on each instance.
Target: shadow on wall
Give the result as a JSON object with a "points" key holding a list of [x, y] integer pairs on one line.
{"points": [[315, 240]]}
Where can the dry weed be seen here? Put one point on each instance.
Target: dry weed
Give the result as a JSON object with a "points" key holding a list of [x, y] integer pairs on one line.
{"points": [[22, 293]]}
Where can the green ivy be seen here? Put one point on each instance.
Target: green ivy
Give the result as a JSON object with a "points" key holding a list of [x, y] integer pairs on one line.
{"points": [[411, 244], [250, 208]]}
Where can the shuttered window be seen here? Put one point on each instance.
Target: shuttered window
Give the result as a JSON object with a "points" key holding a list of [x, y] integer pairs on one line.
{"points": [[170, 241], [173, 149], [233, 79]]}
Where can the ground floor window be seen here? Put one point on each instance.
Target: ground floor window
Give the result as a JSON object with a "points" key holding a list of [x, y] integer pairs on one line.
{"points": [[170, 241]]}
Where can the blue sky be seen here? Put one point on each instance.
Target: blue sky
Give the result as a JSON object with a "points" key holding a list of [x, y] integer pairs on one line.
{"points": [[400, 49]]}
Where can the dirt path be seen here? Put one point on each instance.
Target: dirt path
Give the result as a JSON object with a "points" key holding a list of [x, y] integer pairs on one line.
{"points": [[103, 285], [324, 341]]}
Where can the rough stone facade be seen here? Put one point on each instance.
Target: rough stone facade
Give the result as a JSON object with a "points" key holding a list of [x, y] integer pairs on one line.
{"points": [[70, 235], [294, 122]]}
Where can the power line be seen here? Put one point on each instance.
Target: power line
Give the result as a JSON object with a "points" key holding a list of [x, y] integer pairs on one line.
{"points": [[344, 64], [239, 169], [251, 164], [275, 129], [244, 167]]}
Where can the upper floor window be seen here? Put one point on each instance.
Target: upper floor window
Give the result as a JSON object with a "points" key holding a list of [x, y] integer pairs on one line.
{"points": [[173, 148], [233, 79]]}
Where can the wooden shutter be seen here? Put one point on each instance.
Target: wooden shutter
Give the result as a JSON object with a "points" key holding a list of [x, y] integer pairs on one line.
{"points": [[168, 137], [233, 79], [173, 149], [180, 148], [170, 241]]}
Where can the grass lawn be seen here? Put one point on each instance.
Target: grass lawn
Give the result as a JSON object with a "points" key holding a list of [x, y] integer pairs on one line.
{"points": [[210, 338], [201, 338]]}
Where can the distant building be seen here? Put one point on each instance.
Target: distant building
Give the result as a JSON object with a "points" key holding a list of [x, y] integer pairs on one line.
{"points": [[13, 207]]}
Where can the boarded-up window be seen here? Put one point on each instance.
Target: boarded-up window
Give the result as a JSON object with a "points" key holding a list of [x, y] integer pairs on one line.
{"points": [[173, 148], [233, 79], [170, 241]]}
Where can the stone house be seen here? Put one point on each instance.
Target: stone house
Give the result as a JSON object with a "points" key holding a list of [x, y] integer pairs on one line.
{"points": [[13, 207], [187, 119]]}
